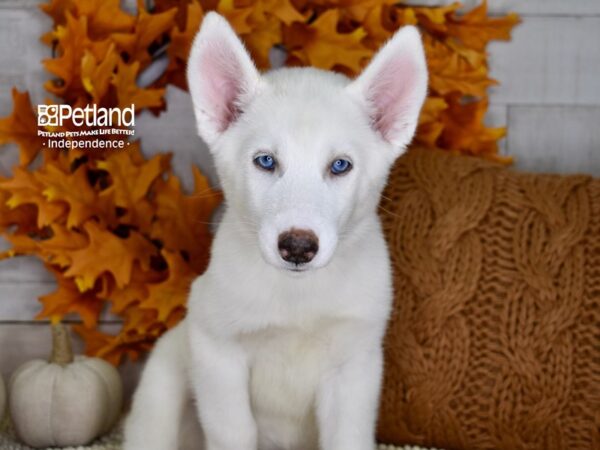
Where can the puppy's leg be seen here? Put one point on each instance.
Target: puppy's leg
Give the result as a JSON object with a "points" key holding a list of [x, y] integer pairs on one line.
{"points": [[347, 403], [191, 436], [220, 382], [158, 404]]}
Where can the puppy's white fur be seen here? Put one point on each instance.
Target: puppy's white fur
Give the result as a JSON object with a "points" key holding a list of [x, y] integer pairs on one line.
{"points": [[268, 357]]}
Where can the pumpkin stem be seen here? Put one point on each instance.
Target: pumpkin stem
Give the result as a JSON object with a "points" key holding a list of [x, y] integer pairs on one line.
{"points": [[62, 353]]}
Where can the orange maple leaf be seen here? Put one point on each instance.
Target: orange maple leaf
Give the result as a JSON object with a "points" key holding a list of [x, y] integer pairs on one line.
{"points": [[381, 21], [67, 299], [106, 16], [430, 128], [70, 188], [73, 41], [261, 41], [22, 217], [450, 72], [321, 45], [236, 16], [475, 29], [148, 28], [26, 189], [128, 91], [57, 248], [181, 41], [283, 10], [109, 253], [101, 344], [358, 10], [96, 76], [21, 244], [434, 20], [130, 183], [136, 290], [171, 294], [181, 220], [21, 127], [464, 128], [265, 22]]}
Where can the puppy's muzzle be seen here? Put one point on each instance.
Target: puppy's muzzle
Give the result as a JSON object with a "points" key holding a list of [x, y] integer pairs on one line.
{"points": [[298, 246]]}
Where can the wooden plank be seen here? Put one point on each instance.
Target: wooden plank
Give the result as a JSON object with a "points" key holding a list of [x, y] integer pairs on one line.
{"points": [[19, 4], [526, 7], [543, 7], [9, 153], [563, 139], [497, 116], [23, 342], [22, 268], [22, 281], [19, 301], [175, 130], [549, 61], [21, 53]]}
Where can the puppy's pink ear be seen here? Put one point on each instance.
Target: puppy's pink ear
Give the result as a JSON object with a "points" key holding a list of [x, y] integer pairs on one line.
{"points": [[221, 76], [393, 87]]}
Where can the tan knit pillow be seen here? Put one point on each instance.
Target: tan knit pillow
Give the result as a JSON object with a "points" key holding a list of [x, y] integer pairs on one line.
{"points": [[495, 338]]}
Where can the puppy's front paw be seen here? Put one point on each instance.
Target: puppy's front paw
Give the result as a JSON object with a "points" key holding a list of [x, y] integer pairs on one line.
{"points": [[235, 440]]}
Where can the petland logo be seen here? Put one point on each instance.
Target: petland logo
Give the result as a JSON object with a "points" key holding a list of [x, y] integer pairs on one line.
{"points": [[86, 128], [91, 116]]}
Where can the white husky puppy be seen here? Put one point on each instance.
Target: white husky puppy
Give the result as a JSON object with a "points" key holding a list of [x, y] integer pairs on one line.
{"points": [[281, 346]]}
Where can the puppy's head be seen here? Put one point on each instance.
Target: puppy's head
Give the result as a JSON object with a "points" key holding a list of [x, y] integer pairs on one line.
{"points": [[303, 154]]}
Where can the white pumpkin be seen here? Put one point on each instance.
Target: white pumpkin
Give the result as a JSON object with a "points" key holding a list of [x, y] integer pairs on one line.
{"points": [[67, 401], [2, 398]]}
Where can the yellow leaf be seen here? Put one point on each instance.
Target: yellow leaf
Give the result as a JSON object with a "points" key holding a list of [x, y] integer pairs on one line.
{"points": [[96, 76]]}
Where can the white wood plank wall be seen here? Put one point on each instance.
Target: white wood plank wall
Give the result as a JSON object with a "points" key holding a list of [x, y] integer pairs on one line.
{"points": [[549, 98]]}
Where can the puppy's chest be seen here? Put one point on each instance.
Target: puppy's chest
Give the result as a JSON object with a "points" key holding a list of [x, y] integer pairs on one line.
{"points": [[286, 365]]}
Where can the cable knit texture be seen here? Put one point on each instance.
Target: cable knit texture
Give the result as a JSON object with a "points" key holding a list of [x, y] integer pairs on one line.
{"points": [[495, 338]]}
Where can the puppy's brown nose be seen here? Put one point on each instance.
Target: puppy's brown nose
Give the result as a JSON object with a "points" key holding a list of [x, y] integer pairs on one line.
{"points": [[298, 246]]}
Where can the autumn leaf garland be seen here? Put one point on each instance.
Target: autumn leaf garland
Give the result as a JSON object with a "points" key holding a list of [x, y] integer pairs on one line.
{"points": [[116, 230]]}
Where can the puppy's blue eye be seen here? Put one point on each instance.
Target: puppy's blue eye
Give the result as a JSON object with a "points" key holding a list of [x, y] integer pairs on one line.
{"points": [[340, 166], [266, 162]]}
